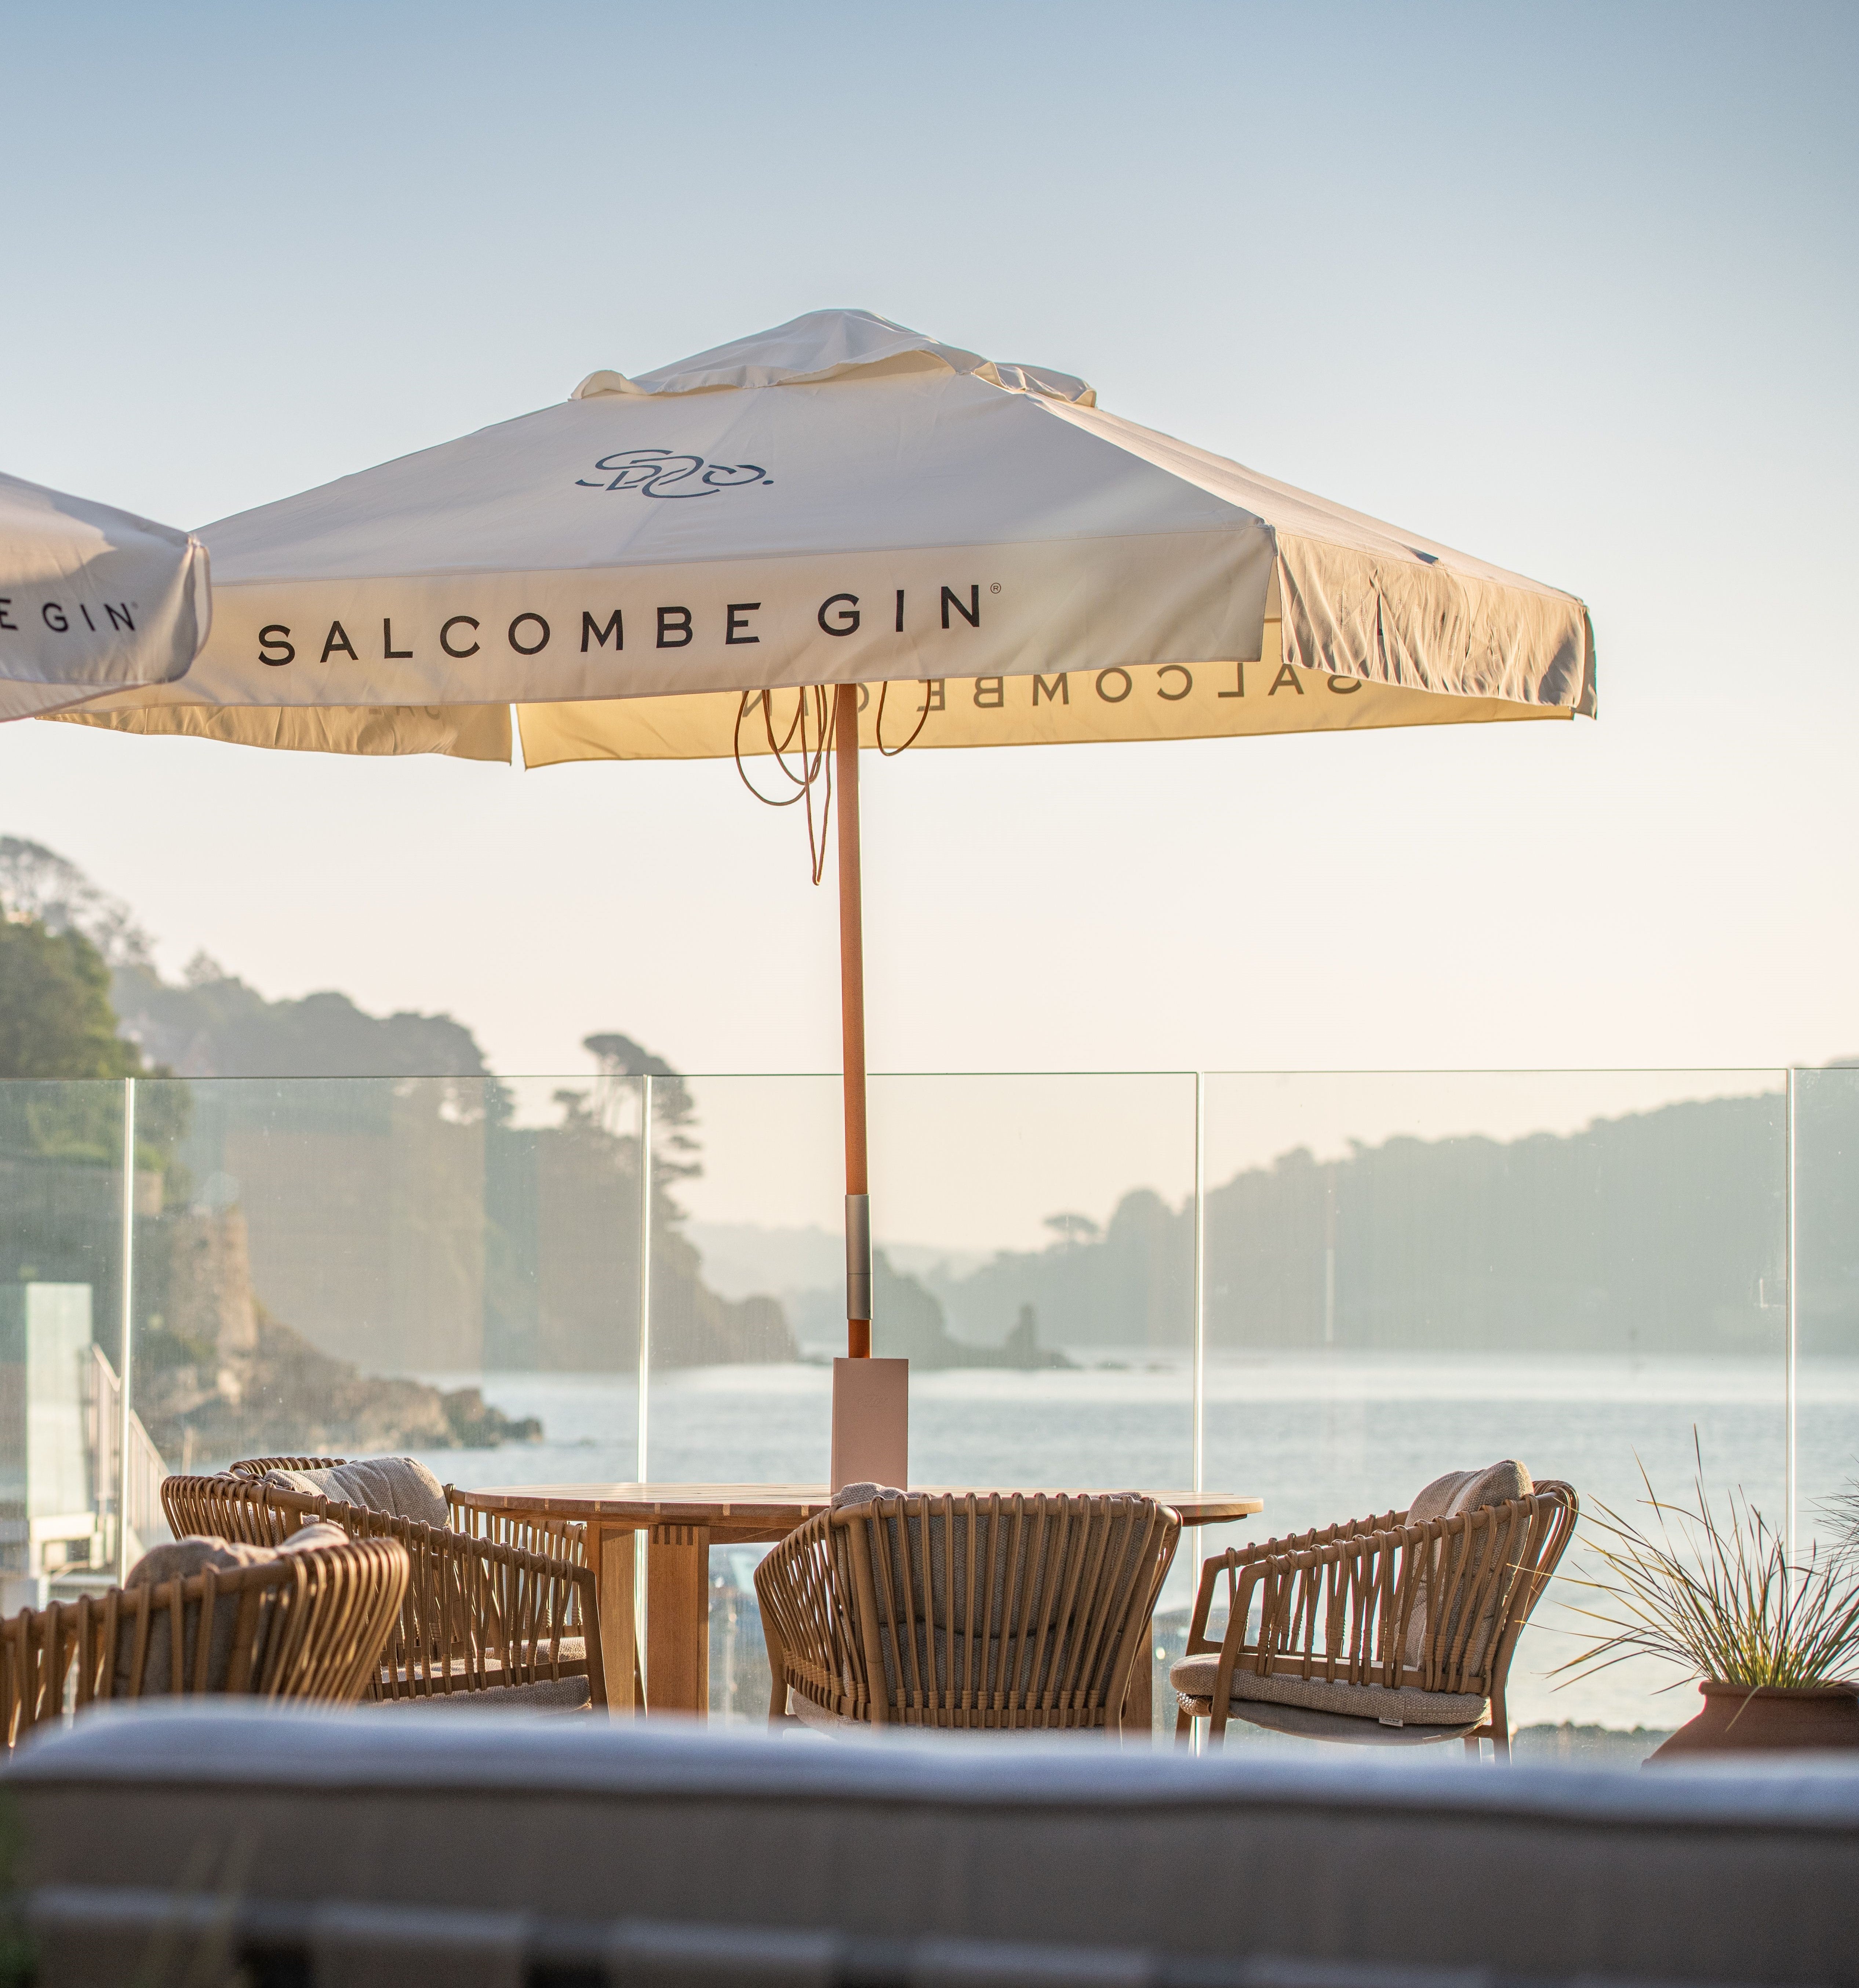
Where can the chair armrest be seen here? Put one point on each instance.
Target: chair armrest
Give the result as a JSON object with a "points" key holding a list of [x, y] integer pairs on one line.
{"points": [[482, 1611], [536, 1532], [1339, 1608], [1255, 1552]]}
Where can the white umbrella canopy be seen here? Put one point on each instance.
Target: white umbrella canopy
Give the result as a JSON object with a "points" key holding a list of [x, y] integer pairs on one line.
{"points": [[843, 500], [639, 570], [92, 599]]}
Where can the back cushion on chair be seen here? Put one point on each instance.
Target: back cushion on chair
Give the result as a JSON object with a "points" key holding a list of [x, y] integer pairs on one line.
{"points": [[1435, 1500], [1450, 1497], [1497, 1484], [180, 1561], [398, 1485]]}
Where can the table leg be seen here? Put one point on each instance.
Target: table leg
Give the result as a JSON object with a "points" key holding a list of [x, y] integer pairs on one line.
{"points": [[1139, 1705], [677, 1620], [611, 1555]]}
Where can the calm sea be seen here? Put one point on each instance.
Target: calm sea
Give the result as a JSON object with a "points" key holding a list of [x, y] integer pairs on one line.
{"points": [[1319, 1438]]}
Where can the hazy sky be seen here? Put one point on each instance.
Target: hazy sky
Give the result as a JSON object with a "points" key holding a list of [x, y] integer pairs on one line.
{"points": [[1571, 287]]}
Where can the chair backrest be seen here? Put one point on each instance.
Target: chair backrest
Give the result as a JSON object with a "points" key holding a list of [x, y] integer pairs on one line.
{"points": [[1000, 1610], [234, 1508], [256, 1467], [477, 1612], [1478, 1575], [305, 1626]]}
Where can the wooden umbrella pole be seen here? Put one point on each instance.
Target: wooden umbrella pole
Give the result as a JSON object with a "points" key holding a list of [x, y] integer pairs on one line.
{"points": [[851, 1011]]}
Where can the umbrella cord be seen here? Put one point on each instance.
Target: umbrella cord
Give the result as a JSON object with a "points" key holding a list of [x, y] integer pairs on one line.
{"points": [[813, 760], [891, 751], [813, 763]]}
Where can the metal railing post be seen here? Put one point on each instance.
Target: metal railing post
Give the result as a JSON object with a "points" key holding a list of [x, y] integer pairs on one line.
{"points": [[125, 1356], [1790, 1319], [645, 1274], [1200, 1279], [1200, 1335]]}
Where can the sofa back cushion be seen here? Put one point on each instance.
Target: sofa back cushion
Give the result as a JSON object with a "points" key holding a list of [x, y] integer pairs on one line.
{"points": [[399, 1485]]}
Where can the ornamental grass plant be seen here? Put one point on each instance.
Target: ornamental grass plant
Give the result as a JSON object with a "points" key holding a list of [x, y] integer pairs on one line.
{"points": [[1718, 1598], [1841, 1511]]}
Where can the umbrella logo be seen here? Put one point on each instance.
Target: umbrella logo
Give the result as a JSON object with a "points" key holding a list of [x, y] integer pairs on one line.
{"points": [[657, 472]]}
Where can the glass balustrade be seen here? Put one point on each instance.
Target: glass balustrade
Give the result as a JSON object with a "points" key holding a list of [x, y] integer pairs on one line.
{"points": [[1320, 1290]]}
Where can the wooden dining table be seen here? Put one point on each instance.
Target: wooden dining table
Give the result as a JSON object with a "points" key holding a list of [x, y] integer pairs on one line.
{"points": [[677, 1524]]}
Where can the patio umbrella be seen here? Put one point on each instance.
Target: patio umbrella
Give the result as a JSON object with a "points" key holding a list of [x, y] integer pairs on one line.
{"points": [[840, 533], [91, 598]]}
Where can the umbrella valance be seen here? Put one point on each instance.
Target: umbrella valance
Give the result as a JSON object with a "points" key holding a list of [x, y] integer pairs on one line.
{"points": [[91, 598], [842, 500]]}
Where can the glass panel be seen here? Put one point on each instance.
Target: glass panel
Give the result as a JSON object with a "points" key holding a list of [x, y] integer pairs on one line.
{"points": [[1412, 1274], [61, 1223], [1826, 1243], [446, 1267], [749, 1181], [1034, 1258]]}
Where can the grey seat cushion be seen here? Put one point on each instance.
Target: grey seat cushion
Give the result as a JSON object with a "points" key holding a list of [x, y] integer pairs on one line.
{"points": [[1342, 1729], [569, 1650], [819, 1717], [809, 1713], [1193, 1678], [570, 1654], [400, 1485], [546, 1695]]}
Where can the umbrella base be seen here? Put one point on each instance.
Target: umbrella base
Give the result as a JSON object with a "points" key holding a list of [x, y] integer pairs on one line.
{"points": [[870, 1422]]}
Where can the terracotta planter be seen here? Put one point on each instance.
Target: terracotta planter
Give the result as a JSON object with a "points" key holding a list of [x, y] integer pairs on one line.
{"points": [[1742, 1719]]}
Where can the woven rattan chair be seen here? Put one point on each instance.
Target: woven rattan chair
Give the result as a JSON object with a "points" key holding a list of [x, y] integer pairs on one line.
{"points": [[965, 1610], [308, 1627], [479, 1614], [1375, 1630]]}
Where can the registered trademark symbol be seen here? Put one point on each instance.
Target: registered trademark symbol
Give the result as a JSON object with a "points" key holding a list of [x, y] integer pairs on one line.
{"points": [[995, 588]]}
